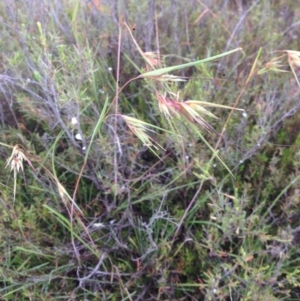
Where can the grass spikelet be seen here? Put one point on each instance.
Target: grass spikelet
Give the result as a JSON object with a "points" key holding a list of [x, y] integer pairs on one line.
{"points": [[294, 62], [273, 65], [140, 128], [168, 106], [15, 161]]}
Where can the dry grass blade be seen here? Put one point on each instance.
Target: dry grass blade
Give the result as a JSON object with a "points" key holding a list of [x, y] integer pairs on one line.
{"points": [[150, 58]]}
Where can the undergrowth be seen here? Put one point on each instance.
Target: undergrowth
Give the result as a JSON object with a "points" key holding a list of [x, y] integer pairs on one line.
{"points": [[149, 151]]}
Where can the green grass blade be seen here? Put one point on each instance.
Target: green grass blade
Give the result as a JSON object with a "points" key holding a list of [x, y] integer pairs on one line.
{"points": [[162, 71]]}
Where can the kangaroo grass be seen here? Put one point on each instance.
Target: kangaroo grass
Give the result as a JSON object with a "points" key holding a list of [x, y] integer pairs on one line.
{"points": [[15, 161], [192, 110], [128, 194]]}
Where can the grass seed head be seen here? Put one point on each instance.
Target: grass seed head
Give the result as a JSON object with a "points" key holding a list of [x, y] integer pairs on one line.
{"points": [[294, 62], [167, 106], [293, 57], [139, 128], [15, 161], [153, 59]]}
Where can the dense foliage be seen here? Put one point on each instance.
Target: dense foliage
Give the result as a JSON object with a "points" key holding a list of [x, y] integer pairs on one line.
{"points": [[123, 180]]}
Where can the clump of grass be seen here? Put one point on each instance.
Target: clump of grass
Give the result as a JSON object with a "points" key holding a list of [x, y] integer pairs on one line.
{"points": [[128, 194]]}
